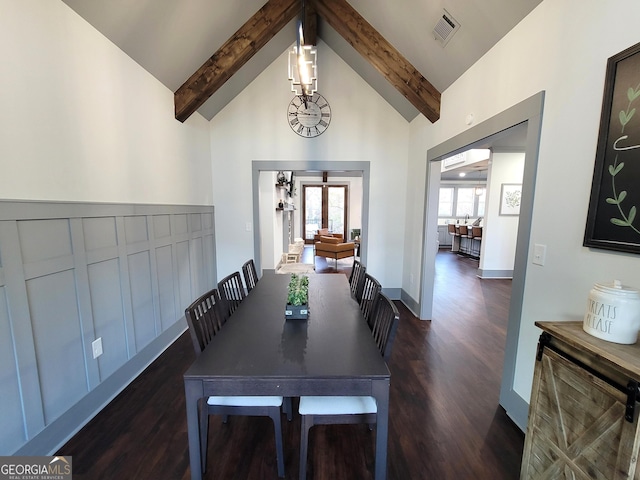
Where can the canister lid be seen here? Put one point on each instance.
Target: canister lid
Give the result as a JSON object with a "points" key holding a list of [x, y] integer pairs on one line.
{"points": [[617, 288]]}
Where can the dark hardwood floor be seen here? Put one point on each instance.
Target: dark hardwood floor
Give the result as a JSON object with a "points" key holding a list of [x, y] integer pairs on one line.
{"points": [[445, 422]]}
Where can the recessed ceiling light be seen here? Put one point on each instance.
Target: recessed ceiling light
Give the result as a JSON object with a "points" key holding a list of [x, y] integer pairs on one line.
{"points": [[462, 174]]}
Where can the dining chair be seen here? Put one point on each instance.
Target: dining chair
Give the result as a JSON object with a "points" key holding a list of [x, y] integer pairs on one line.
{"points": [[325, 410], [232, 291], [250, 275], [203, 318], [370, 289], [204, 323], [356, 279]]}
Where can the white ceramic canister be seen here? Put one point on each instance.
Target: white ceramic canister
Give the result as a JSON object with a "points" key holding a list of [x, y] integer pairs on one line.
{"points": [[613, 312]]}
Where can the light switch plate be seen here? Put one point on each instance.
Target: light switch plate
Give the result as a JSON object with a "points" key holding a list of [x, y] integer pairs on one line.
{"points": [[539, 254]]}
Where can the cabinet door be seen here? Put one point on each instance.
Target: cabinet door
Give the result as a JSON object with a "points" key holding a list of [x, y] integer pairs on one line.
{"points": [[577, 427], [443, 236]]}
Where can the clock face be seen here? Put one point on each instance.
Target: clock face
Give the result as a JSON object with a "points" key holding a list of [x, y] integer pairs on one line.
{"points": [[309, 116]]}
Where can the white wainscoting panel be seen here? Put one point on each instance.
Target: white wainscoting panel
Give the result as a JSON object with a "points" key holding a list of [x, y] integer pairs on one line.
{"points": [[71, 273]]}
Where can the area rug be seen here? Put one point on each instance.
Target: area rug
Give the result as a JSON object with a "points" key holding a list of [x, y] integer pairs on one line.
{"points": [[305, 268]]}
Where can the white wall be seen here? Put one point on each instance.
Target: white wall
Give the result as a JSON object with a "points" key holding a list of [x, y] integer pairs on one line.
{"points": [[270, 221], [542, 54], [500, 232], [363, 128], [81, 121]]}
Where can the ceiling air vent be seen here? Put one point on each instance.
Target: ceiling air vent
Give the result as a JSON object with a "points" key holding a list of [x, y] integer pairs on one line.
{"points": [[446, 28]]}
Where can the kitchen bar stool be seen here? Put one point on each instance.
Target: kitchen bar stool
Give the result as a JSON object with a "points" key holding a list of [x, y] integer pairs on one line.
{"points": [[476, 241], [451, 228], [455, 237], [464, 239]]}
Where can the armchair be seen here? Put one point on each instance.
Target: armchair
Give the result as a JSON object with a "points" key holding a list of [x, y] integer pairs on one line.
{"points": [[324, 232], [334, 247]]}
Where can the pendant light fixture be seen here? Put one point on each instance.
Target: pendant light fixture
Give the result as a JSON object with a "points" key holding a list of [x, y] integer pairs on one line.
{"points": [[303, 67], [479, 190]]}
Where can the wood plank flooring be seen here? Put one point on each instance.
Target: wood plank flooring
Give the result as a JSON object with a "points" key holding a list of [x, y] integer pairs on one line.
{"points": [[445, 422]]}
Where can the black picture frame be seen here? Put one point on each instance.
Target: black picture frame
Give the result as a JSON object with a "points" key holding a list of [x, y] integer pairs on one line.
{"points": [[612, 220]]}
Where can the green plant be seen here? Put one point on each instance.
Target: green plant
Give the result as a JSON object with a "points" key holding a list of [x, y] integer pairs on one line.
{"points": [[298, 290]]}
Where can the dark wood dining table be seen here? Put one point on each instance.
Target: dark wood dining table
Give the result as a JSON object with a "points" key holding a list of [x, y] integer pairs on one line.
{"points": [[258, 352]]}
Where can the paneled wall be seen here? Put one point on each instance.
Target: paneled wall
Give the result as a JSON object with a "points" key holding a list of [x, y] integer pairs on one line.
{"points": [[72, 273]]}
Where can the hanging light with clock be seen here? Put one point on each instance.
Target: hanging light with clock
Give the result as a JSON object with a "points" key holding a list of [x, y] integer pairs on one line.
{"points": [[303, 67]]}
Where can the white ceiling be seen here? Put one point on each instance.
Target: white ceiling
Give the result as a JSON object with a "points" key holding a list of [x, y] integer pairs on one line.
{"points": [[510, 140], [172, 38]]}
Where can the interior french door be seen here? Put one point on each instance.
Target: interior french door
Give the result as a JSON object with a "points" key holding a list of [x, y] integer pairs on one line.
{"points": [[324, 206]]}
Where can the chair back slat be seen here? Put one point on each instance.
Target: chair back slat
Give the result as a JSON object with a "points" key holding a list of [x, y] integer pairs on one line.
{"points": [[356, 279], [203, 318], [370, 289], [385, 324], [250, 275], [232, 291]]}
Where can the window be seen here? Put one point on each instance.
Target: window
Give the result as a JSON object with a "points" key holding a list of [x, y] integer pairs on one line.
{"points": [[445, 204], [460, 201], [482, 198], [324, 206], [465, 202]]}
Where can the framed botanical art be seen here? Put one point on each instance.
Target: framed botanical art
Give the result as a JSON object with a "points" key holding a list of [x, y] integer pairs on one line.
{"points": [[612, 221], [510, 196]]}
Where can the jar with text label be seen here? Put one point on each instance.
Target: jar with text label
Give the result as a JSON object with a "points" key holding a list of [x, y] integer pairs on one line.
{"points": [[613, 312]]}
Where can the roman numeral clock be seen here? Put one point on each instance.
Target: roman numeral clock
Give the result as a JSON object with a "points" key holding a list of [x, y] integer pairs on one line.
{"points": [[309, 115]]}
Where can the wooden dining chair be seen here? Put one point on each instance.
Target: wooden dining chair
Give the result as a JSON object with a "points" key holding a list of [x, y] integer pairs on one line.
{"points": [[324, 410], [250, 275], [204, 319], [232, 291], [370, 289], [204, 322], [356, 279]]}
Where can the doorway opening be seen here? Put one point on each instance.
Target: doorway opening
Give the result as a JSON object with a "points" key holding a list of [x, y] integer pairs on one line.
{"points": [[263, 208], [529, 113]]}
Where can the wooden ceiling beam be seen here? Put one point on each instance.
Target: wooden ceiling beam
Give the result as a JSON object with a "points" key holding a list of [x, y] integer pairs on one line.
{"points": [[310, 24], [231, 56], [381, 55]]}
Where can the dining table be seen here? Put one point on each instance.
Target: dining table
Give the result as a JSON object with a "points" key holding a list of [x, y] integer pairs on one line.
{"points": [[259, 352]]}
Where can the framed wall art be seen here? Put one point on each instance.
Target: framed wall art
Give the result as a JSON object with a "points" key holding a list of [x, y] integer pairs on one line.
{"points": [[510, 196], [612, 221]]}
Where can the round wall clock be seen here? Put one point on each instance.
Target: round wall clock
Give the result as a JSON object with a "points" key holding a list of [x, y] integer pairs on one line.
{"points": [[309, 116]]}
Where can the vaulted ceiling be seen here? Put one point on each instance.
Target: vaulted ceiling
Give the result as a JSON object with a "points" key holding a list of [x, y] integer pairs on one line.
{"points": [[208, 51]]}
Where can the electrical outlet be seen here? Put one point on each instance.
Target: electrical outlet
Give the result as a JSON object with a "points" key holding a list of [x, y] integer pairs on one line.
{"points": [[248, 226], [96, 345]]}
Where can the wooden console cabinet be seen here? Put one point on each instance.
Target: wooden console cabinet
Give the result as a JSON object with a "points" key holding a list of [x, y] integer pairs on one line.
{"points": [[583, 416]]}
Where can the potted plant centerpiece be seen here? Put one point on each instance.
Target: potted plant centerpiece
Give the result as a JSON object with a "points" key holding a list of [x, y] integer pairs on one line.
{"points": [[297, 297]]}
